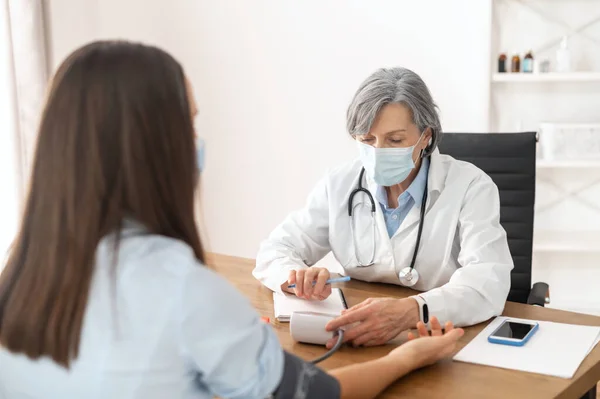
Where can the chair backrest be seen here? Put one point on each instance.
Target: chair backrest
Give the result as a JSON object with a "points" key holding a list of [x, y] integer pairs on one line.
{"points": [[509, 159]]}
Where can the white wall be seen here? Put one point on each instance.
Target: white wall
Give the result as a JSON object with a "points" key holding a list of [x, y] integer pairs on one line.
{"points": [[9, 170], [273, 79], [73, 23]]}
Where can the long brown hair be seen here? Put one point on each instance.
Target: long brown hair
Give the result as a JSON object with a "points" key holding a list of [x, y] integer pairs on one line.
{"points": [[116, 140]]}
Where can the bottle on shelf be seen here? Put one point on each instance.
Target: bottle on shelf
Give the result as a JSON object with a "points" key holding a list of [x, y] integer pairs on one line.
{"points": [[528, 62], [502, 62], [563, 56], [515, 64]]}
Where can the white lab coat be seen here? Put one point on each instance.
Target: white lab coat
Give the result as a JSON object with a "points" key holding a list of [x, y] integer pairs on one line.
{"points": [[463, 261]]}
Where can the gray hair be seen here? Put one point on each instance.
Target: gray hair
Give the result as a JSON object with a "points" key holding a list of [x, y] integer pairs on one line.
{"points": [[395, 85]]}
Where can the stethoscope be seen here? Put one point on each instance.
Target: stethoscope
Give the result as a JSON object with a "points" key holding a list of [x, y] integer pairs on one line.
{"points": [[409, 276]]}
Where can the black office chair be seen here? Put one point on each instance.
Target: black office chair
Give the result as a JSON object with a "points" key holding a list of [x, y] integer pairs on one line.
{"points": [[509, 159]]}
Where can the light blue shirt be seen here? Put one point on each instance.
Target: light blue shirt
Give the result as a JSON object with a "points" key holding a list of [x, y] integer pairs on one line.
{"points": [[163, 326], [412, 196]]}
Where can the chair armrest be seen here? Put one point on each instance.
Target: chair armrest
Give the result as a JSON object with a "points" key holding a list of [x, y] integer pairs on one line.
{"points": [[539, 294]]}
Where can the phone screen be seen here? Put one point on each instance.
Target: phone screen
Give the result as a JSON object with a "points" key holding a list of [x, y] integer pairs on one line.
{"points": [[511, 329]]}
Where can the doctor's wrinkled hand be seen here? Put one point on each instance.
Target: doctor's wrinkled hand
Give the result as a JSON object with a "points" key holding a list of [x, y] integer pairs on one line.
{"points": [[375, 321], [310, 283]]}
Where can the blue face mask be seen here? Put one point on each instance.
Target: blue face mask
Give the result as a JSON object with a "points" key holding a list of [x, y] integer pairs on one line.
{"points": [[387, 166], [200, 154]]}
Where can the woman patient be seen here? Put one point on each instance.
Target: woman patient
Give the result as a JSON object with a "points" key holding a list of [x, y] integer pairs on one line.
{"points": [[104, 293]]}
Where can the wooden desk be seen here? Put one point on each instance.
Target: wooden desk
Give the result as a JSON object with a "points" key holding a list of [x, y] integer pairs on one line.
{"points": [[446, 379]]}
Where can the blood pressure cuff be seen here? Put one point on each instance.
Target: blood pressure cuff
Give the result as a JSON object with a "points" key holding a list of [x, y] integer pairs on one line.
{"points": [[303, 380]]}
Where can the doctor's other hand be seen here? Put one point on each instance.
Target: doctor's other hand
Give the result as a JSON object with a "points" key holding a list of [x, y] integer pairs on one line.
{"points": [[310, 283], [375, 321], [427, 349]]}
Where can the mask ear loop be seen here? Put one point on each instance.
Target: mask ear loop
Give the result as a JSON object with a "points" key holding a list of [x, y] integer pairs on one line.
{"points": [[422, 152], [417, 143], [421, 156], [428, 144]]}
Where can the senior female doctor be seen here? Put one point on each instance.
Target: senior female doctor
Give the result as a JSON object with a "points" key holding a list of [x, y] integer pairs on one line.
{"points": [[402, 213]]}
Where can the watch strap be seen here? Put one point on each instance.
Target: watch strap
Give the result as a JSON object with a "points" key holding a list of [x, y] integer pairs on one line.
{"points": [[423, 309]]}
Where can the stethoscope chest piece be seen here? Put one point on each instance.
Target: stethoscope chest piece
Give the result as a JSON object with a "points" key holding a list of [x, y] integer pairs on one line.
{"points": [[408, 276]]}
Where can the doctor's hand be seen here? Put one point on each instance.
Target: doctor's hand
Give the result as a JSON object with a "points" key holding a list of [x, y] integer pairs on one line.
{"points": [[305, 288], [375, 321], [428, 349]]}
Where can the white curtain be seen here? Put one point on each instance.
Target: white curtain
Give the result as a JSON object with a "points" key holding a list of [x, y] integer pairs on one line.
{"points": [[26, 18], [23, 75]]}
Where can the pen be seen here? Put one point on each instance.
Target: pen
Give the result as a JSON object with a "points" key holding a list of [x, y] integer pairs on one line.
{"points": [[331, 280]]}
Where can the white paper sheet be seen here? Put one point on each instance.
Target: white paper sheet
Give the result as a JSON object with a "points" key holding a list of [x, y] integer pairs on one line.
{"points": [[285, 304], [555, 349]]}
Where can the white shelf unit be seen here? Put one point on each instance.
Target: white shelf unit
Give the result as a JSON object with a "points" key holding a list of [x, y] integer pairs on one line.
{"points": [[549, 164], [567, 242], [552, 173], [556, 77]]}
